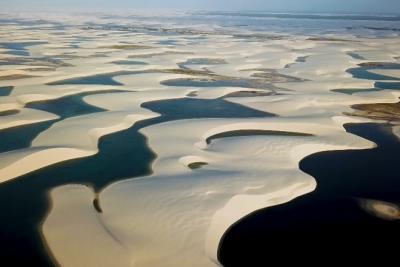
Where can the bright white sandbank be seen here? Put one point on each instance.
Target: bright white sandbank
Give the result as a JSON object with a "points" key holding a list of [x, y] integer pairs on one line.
{"points": [[176, 216]]}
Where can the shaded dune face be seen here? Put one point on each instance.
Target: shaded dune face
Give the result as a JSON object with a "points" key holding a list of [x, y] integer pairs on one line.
{"points": [[252, 133], [132, 144], [9, 112]]}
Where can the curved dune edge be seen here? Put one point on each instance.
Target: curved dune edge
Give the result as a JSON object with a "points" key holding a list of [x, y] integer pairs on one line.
{"points": [[26, 116], [32, 160], [240, 206], [396, 131], [78, 137], [28, 94], [86, 222], [17, 163], [176, 211], [44, 152], [188, 160], [176, 216]]}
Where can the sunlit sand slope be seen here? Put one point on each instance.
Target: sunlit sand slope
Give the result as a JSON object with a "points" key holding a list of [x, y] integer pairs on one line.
{"points": [[209, 172]]}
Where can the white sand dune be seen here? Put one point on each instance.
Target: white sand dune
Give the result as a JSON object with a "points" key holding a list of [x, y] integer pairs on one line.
{"points": [[78, 136], [177, 215], [86, 222], [24, 117], [395, 73], [193, 209]]}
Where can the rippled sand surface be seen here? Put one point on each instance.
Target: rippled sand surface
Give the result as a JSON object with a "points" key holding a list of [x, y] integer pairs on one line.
{"points": [[227, 114]]}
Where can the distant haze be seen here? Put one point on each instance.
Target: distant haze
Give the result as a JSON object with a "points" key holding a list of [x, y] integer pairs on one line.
{"points": [[328, 6]]}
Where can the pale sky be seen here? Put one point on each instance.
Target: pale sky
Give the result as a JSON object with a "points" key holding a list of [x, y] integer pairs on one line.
{"points": [[333, 6]]}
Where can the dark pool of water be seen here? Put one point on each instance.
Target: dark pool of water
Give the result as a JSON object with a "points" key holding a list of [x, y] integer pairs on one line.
{"points": [[23, 53], [381, 81], [21, 136], [101, 79], [19, 48], [6, 90], [19, 45], [70, 106], [200, 61], [242, 83], [129, 62], [24, 199], [364, 73], [355, 55], [329, 222], [191, 108], [301, 59], [168, 42], [388, 85]]}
